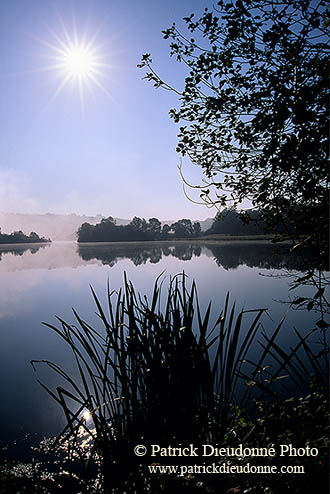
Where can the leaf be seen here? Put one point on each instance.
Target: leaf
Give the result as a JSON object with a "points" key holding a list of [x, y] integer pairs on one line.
{"points": [[319, 293], [305, 277], [299, 300], [322, 324]]}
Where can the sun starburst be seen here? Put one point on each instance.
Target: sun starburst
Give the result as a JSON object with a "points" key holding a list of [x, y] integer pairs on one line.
{"points": [[76, 59], [79, 61]]}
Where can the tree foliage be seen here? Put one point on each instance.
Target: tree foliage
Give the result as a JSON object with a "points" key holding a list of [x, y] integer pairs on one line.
{"points": [[19, 237], [230, 223], [138, 229], [254, 107], [182, 228]]}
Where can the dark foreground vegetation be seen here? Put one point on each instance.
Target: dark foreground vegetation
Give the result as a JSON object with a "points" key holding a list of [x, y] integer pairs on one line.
{"points": [[20, 238], [157, 371]]}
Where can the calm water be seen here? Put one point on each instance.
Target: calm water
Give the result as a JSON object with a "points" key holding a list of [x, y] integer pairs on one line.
{"points": [[39, 282]]}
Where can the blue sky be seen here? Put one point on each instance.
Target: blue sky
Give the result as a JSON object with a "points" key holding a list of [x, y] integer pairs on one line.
{"points": [[116, 155]]}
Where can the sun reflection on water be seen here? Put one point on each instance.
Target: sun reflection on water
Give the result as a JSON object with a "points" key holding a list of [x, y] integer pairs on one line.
{"points": [[86, 415]]}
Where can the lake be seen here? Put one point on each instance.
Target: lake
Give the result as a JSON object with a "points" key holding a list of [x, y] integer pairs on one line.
{"points": [[39, 282]]}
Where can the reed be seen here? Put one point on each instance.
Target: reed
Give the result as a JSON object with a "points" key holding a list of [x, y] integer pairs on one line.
{"points": [[157, 371]]}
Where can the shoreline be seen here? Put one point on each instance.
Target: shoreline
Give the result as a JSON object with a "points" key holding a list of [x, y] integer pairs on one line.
{"points": [[228, 239]]}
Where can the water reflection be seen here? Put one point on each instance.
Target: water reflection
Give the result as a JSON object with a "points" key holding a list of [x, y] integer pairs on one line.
{"points": [[41, 281], [110, 254], [228, 255], [259, 255], [19, 250]]}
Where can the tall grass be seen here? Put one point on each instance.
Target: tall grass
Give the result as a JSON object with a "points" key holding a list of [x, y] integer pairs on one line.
{"points": [[158, 372]]}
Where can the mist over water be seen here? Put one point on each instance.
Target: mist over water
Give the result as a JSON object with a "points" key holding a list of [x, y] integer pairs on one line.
{"points": [[53, 226], [61, 226]]}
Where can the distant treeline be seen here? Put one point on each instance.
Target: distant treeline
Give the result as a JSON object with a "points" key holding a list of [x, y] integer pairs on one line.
{"points": [[230, 222], [138, 229], [20, 238]]}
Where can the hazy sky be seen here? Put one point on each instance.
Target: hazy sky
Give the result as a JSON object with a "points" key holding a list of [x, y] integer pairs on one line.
{"points": [[111, 151]]}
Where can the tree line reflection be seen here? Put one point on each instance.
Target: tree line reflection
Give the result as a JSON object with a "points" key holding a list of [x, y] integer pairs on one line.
{"points": [[19, 250], [227, 255], [138, 254]]}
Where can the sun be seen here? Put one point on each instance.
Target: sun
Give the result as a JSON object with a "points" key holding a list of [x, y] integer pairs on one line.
{"points": [[86, 415], [79, 62], [76, 59]]}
